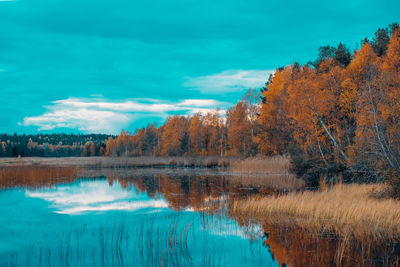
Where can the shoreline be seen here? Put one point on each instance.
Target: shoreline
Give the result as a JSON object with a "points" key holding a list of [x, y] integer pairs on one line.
{"points": [[121, 162], [347, 210]]}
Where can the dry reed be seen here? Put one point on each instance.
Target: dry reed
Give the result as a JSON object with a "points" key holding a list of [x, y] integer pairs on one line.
{"points": [[346, 210], [279, 182], [35, 176], [271, 172], [120, 162], [272, 165]]}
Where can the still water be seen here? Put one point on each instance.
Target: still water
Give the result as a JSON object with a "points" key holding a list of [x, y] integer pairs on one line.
{"points": [[126, 218]]}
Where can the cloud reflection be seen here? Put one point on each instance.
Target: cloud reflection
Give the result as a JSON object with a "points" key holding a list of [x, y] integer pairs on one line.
{"points": [[121, 205], [95, 196]]}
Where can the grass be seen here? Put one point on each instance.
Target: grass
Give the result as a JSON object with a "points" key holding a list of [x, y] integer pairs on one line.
{"points": [[346, 210], [277, 182], [317, 221], [272, 165], [143, 239], [266, 172], [120, 162], [270, 172], [35, 176]]}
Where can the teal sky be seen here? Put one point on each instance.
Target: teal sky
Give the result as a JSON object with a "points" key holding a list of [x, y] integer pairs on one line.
{"points": [[102, 66]]}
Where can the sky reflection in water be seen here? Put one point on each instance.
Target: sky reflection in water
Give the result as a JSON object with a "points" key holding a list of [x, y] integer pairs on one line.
{"points": [[95, 196], [95, 222]]}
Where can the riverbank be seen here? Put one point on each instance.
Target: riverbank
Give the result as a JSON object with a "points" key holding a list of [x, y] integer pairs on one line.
{"points": [[120, 162], [272, 165], [347, 211], [272, 173], [345, 224], [251, 172]]}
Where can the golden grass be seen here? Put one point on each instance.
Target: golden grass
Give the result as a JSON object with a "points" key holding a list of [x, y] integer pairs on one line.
{"points": [[111, 162], [35, 176], [346, 210], [272, 165], [270, 172], [279, 182]]}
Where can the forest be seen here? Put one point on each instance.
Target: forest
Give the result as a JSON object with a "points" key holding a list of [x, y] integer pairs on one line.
{"points": [[52, 145], [336, 116]]}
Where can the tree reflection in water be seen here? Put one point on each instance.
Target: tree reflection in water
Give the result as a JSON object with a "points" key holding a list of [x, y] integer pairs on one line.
{"points": [[211, 193]]}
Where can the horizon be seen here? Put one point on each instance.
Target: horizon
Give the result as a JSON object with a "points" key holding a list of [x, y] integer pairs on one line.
{"points": [[97, 67]]}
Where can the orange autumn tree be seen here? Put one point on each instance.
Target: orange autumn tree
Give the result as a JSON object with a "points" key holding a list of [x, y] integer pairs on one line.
{"points": [[337, 116], [377, 145], [301, 106], [147, 142], [111, 149], [363, 74], [252, 98], [238, 129], [175, 139], [213, 133], [196, 133], [342, 110], [275, 132]]}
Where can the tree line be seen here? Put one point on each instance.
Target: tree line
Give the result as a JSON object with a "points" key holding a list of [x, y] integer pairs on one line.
{"points": [[213, 133], [337, 116], [52, 145]]}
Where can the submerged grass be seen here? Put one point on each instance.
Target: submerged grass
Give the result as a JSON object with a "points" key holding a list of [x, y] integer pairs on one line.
{"points": [[277, 182], [270, 172], [144, 239], [346, 210]]}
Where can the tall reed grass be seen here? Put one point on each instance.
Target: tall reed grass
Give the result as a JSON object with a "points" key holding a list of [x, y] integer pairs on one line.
{"points": [[272, 165], [35, 176], [143, 239], [276, 182], [270, 172], [120, 162], [346, 210]]}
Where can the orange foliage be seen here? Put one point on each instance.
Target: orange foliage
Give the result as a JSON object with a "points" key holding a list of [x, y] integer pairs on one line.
{"points": [[239, 133], [174, 132], [344, 110]]}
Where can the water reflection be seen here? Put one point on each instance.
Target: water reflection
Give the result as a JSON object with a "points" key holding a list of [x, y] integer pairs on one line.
{"points": [[293, 246], [182, 190], [95, 195], [123, 219], [168, 217], [35, 176]]}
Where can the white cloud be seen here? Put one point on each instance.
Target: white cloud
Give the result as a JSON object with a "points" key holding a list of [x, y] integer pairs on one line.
{"points": [[230, 80], [83, 119], [199, 102], [99, 115]]}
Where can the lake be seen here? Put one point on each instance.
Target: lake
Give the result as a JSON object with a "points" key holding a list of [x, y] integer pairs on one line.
{"points": [[67, 216], [126, 217]]}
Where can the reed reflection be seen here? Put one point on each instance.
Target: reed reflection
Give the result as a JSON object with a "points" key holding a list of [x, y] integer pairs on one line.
{"points": [[206, 192]]}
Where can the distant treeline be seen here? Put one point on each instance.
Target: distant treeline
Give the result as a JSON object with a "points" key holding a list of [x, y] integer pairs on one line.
{"points": [[338, 116], [52, 145]]}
